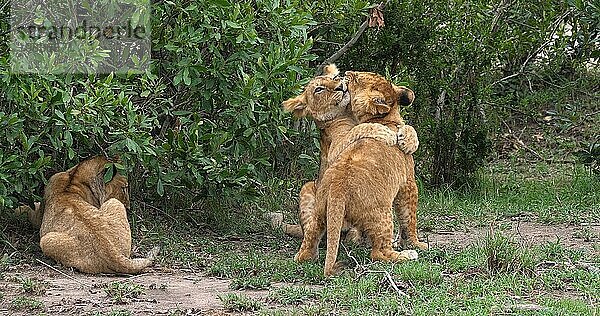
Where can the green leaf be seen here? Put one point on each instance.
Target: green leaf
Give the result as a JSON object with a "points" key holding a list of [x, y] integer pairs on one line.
{"points": [[181, 113], [110, 170], [222, 3], [233, 25], [186, 77], [59, 114], [70, 153], [160, 188], [68, 139]]}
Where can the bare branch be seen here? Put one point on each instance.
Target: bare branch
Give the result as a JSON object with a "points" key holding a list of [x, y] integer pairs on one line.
{"points": [[350, 43]]}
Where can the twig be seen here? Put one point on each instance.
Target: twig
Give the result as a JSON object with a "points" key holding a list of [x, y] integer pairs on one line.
{"points": [[100, 147], [358, 265], [592, 114], [344, 48], [519, 142], [131, 277], [387, 276], [64, 274], [350, 43]]}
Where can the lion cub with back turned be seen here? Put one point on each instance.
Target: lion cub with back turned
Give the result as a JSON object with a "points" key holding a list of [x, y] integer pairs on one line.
{"points": [[85, 223]]}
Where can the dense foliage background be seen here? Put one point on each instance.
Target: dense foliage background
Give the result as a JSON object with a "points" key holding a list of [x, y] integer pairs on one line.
{"points": [[203, 129]]}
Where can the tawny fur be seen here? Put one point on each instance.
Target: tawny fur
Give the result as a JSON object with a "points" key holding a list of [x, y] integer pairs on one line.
{"points": [[85, 223], [405, 138], [361, 185], [375, 100]]}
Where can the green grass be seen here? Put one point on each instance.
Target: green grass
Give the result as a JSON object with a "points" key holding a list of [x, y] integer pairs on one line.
{"points": [[23, 303], [550, 194], [294, 295], [239, 303], [32, 286], [122, 292], [494, 275]]}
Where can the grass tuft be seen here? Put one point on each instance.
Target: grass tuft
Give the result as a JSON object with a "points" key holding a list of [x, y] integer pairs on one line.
{"points": [[123, 292], [23, 303], [32, 286], [239, 303], [259, 282], [293, 295], [505, 255]]}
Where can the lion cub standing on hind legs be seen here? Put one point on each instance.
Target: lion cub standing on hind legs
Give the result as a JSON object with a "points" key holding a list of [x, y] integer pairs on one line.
{"points": [[362, 183], [85, 223], [406, 139]]}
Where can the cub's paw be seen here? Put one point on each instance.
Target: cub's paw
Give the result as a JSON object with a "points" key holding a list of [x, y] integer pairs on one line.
{"points": [[406, 255], [303, 256], [333, 271], [407, 139]]}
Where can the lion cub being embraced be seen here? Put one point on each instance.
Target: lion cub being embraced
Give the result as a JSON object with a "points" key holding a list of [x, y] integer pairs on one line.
{"points": [[85, 224], [362, 184]]}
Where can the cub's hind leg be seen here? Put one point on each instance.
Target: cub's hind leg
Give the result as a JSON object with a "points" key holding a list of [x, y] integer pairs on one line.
{"points": [[313, 232], [405, 206], [66, 249], [114, 219], [379, 227], [306, 209]]}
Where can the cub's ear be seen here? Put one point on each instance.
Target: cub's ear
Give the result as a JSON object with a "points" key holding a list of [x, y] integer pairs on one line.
{"points": [[296, 105], [382, 108], [350, 76], [331, 70], [405, 95]]}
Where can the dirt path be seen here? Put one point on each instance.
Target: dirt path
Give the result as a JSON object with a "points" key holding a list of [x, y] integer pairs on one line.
{"points": [[75, 293]]}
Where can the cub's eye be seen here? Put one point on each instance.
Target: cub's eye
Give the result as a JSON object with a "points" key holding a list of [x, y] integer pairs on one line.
{"points": [[379, 100], [319, 89]]}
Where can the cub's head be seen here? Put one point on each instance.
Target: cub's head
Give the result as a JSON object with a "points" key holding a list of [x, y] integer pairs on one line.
{"points": [[374, 96], [323, 99], [118, 188], [87, 180]]}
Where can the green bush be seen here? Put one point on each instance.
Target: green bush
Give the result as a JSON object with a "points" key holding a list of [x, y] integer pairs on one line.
{"points": [[204, 119]]}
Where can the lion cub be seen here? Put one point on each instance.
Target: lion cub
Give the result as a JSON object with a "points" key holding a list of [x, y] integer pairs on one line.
{"points": [[363, 183], [84, 221]]}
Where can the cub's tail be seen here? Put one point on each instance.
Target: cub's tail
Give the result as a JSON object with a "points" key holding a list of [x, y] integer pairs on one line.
{"points": [[122, 264]]}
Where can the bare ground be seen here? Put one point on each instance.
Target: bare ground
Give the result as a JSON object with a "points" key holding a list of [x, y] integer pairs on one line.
{"points": [[67, 292], [74, 293], [583, 237]]}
